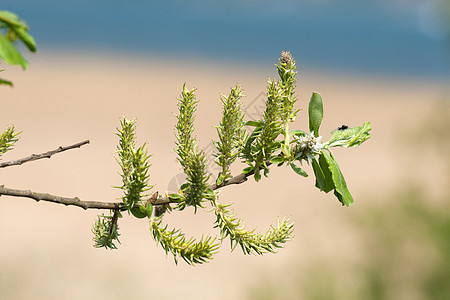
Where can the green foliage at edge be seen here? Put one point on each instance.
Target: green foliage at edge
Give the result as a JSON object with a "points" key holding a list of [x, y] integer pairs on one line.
{"points": [[7, 139], [12, 28]]}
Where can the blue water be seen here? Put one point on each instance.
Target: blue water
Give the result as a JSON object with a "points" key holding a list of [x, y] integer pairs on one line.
{"points": [[364, 36]]}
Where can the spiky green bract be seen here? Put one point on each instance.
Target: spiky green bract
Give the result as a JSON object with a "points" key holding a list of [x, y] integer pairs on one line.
{"points": [[7, 139], [231, 132], [262, 144], [191, 159], [250, 242], [185, 125], [106, 231], [287, 71], [197, 181], [175, 242], [134, 164]]}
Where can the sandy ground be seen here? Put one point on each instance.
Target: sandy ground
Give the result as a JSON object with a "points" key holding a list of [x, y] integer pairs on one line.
{"points": [[46, 249]]}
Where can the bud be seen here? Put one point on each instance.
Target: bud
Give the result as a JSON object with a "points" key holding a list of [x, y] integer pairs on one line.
{"points": [[285, 57]]}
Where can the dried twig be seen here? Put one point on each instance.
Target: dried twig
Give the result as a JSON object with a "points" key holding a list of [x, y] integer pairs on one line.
{"points": [[42, 155]]}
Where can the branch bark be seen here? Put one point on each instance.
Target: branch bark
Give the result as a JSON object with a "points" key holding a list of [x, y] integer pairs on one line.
{"points": [[238, 179], [47, 154], [60, 200]]}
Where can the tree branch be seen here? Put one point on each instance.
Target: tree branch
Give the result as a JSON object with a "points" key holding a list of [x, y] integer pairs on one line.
{"points": [[42, 155], [60, 200], [238, 179]]}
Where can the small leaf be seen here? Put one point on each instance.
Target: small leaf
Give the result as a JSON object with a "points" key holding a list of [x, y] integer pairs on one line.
{"points": [[220, 179], [298, 170], [257, 175], [210, 195], [298, 132], [138, 213], [149, 209], [253, 123], [351, 137], [324, 181], [286, 150], [341, 191], [315, 112], [26, 38], [11, 19], [277, 160], [7, 82], [320, 177], [176, 197], [184, 186], [247, 170], [253, 136], [10, 54]]}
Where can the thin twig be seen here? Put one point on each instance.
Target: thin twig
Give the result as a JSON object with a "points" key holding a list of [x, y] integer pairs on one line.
{"points": [[58, 199], [103, 205], [42, 155], [238, 179]]}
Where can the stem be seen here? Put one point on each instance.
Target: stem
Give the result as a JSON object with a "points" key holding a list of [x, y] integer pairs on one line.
{"points": [[47, 154], [238, 179], [286, 134], [60, 200]]}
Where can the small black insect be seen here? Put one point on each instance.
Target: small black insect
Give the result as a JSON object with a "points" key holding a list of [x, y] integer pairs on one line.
{"points": [[343, 127]]}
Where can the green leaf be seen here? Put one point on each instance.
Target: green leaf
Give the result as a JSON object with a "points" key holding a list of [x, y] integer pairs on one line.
{"points": [[210, 195], [315, 112], [149, 209], [220, 179], [11, 19], [139, 211], [27, 39], [341, 191], [184, 186], [298, 132], [10, 54], [7, 82], [322, 172], [351, 137], [298, 170], [253, 136], [277, 160], [247, 170], [176, 197], [254, 123], [286, 150], [257, 175]]}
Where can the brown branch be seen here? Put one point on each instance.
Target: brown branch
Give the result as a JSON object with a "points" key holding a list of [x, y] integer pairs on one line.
{"points": [[60, 200], [103, 205], [42, 155], [238, 179]]}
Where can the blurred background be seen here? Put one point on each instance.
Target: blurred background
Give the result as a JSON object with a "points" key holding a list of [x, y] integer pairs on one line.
{"points": [[382, 61]]}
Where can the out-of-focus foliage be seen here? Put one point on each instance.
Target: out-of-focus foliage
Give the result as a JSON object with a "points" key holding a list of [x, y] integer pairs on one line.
{"points": [[13, 29]]}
